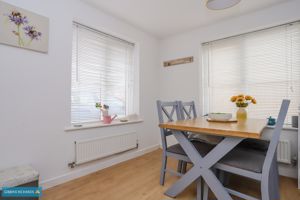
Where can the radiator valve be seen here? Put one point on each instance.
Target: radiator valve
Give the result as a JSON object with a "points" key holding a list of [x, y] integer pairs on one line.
{"points": [[72, 165], [294, 161]]}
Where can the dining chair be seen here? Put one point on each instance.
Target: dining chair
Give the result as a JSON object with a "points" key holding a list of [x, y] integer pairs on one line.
{"points": [[168, 112], [258, 164], [188, 111]]}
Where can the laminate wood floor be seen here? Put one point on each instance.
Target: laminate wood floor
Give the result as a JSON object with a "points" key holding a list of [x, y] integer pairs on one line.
{"points": [[138, 179]]}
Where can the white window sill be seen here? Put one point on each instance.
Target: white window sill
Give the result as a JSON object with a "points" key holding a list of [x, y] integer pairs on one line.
{"points": [[285, 127], [101, 124]]}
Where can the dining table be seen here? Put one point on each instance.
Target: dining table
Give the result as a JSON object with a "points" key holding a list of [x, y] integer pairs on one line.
{"points": [[233, 133]]}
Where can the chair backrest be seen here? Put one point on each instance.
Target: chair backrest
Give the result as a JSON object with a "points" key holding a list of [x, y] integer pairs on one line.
{"points": [[187, 110], [271, 153], [167, 112]]}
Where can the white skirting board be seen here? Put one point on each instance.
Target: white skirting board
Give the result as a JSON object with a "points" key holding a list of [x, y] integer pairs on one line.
{"points": [[94, 167]]}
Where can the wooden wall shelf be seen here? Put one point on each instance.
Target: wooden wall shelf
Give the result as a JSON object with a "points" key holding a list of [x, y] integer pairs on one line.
{"points": [[179, 61]]}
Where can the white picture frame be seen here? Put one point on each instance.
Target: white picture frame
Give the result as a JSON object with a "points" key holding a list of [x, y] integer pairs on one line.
{"points": [[22, 28]]}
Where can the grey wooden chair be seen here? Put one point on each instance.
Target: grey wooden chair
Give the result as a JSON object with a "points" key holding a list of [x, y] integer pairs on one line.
{"points": [[170, 111], [256, 163], [187, 110]]}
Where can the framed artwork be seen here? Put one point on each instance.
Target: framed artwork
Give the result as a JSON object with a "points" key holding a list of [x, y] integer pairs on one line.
{"points": [[22, 28]]}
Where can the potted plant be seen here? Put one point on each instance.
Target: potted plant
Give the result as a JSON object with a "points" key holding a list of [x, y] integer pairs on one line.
{"points": [[242, 102], [103, 108], [107, 119]]}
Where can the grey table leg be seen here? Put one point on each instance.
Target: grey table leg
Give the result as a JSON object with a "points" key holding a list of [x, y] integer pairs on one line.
{"points": [[183, 182], [199, 189], [202, 166], [216, 187], [205, 192]]}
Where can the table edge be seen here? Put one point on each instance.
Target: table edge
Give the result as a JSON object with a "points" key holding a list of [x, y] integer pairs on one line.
{"points": [[212, 131]]}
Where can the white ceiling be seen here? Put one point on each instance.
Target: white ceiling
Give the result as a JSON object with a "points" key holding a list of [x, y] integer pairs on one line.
{"points": [[167, 17]]}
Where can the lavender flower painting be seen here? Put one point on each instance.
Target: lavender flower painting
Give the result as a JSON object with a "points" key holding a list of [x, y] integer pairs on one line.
{"points": [[22, 28]]}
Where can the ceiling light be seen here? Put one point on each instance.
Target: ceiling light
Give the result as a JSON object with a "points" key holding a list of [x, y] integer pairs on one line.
{"points": [[221, 4]]}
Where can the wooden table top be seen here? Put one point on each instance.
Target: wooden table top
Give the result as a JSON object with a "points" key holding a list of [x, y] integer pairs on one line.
{"points": [[250, 128]]}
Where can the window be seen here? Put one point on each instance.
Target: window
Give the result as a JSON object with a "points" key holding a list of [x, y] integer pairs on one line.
{"points": [[102, 71], [264, 64]]}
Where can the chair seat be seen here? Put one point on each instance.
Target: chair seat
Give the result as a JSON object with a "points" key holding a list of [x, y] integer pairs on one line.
{"points": [[202, 147], [245, 158], [261, 145], [205, 138]]}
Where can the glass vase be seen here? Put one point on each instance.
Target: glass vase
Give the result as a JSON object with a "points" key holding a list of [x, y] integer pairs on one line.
{"points": [[241, 114]]}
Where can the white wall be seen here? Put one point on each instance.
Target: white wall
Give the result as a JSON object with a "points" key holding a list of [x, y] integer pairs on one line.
{"points": [[35, 94], [184, 81]]}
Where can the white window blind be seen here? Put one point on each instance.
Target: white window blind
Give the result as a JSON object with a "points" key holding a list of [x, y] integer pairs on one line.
{"points": [[264, 64], [102, 71]]}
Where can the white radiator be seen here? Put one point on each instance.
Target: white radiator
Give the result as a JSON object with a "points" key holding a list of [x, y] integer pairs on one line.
{"points": [[284, 152], [94, 149]]}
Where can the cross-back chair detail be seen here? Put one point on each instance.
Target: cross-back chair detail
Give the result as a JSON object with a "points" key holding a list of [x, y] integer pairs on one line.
{"points": [[167, 114], [172, 115], [188, 110]]}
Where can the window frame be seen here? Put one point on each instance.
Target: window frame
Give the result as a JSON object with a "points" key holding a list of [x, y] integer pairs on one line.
{"points": [[204, 68], [135, 67]]}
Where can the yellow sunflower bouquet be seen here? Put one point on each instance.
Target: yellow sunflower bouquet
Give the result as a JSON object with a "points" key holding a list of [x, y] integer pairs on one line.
{"points": [[242, 101]]}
